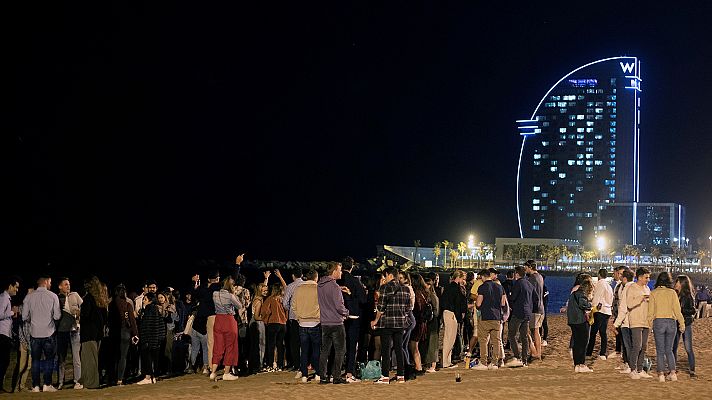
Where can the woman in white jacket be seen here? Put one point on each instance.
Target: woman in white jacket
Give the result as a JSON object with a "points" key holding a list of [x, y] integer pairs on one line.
{"points": [[621, 321]]}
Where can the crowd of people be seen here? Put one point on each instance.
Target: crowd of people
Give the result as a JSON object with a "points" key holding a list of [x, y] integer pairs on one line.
{"points": [[326, 326]]}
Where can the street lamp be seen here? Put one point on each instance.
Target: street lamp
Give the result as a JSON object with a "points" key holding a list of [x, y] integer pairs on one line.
{"points": [[601, 244], [471, 246]]}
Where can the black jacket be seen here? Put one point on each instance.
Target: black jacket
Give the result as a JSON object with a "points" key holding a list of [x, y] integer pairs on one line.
{"points": [[453, 299], [355, 301], [153, 329], [92, 319]]}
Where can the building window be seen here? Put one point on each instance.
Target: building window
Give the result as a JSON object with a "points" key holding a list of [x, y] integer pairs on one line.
{"points": [[562, 175], [572, 162], [579, 227], [535, 227], [545, 143], [552, 182], [579, 143], [535, 201], [536, 162], [580, 117], [611, 195], [537, 156], [545, 195], [537, 188], [553, 169], [579, 188], [598, 162], [598, 137], [535, 208]]}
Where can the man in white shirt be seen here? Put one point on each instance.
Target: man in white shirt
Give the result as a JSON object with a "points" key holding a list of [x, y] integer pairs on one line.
{"points": [[602, 301]]}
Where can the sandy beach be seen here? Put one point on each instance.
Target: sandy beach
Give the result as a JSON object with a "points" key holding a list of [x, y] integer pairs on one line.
{"points": [[552, 378]]}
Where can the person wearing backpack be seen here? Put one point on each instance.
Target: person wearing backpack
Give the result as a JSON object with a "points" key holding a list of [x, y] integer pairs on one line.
{"points": [[423, 311]]}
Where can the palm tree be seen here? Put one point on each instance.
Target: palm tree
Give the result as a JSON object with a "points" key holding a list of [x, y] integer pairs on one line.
{"points": [[453, 257], [481, 252], [462, 248], [436, 252], [636, 253], [446, 244], [508, 254], [416, 244], [656, 253], [628, 251]]}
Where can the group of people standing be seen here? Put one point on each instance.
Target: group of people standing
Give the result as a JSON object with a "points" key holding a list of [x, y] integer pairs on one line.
{"points": [[669, 310]]}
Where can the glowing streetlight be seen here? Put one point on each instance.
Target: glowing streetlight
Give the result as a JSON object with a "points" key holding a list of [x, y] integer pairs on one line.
{"points": [[601, 244], [471, 246]]}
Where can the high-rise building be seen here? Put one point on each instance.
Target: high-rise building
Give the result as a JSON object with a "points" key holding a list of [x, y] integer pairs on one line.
{"points": [[580, 147], [658, 224]]}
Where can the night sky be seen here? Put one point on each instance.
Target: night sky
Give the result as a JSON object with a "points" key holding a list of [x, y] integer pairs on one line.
{"points": [[150, 135]]}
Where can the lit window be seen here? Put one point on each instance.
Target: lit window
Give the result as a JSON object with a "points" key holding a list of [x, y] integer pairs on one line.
{"points": [[537, 156], [552, 182], [599, 111], [572, 123], [612, 130], [572, 136], [589, 149], [598, 137], [612, 156], [562, 143], [579, 188], [535, 208], [612, 169], [601, 116], [535, 227], [589, 169], [579, 227], [579, 143], [544, 143], [612, 142], [589, 123], [562, 110], [562, 175], [611, 163], [545, 195], [589, 156], [589, 176], [545, 123], [572, 162], [537, 162], [598, 162], [579, 162], [553, 162], [613, 149], [580, 136], [612, 189], [544, 208], [579, 116], [611, 195], [613, 123], [553, 169], [589, 130], [537, 188], [579, 156], [535, 201], [561, 104], [589, 162]]}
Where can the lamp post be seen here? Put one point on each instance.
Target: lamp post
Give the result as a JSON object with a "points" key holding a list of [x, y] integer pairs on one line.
{"points": [[710, 253], [601, 244], [471, 247]]}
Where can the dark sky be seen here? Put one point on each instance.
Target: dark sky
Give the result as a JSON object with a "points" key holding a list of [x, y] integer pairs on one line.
{"points": [[154, 135]]}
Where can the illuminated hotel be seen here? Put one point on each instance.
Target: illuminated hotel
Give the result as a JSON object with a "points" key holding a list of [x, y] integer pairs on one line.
{"points": [[580, 147]]}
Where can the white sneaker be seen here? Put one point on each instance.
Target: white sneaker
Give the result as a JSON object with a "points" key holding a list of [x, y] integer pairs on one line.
{"points": [[673, 376], [480, 367], [602, 358], [78, 386], [644, 374], [213, 376], [36, 389], [571, 353], [298, 375], [145, 381], [626, 370], [305, 379], [634, 375], [317, 378], [206, 371], [515, 362], [352, 379], [661, 378], [544, 343], [492, 367], [585, 368], [230, 377], [577, 369], [48, 388], [613, 355], [383, 381]]}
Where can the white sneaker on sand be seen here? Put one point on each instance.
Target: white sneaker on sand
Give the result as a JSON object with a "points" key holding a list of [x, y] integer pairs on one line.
{"points": [[352, 379], [625, 370], [544, 343], [383, 380], [48, 388], [577, 369], [78, 386], [644, 374], [230, 377], [480, 367], [613, 355], [298, 375], [661, 378], [145, 381], [673, 376], [305, 379], [515, 362], [206, 371], [492, 367], [36, 389], [602, 358], [634, 375], [317, 379], [585, 368]]}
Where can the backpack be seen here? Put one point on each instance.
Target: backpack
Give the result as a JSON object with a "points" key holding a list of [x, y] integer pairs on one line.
{"points": [[428, 312]]}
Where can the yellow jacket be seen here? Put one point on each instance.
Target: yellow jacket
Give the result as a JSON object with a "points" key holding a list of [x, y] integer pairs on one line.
{"points": [[665, 304]]}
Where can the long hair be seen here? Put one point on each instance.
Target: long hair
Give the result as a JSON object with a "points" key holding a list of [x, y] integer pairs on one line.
{"points": [[258, 290], [686, 287], [419, 285], [664, 280], [228, 284], [97, 290], [586, 285]]}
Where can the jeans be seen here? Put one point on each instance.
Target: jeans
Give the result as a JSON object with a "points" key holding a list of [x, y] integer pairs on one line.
{"points": [[580, 335], [257, 345], [124, 344], [275, 338], [406, 338], [353, 332], [639, 343], [600, 325], [687, 342], [389, 336], [522, 327], [64, 341], [664, 332], [198, 342], [294, 341], [38, 347], [332, 335], [310, 346], [627, 347]]}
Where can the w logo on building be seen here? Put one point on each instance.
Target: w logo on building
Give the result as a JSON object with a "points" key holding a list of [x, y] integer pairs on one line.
{"points": [[627, 67]]}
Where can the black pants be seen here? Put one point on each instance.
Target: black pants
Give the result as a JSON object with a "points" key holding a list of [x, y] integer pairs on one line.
{"points": [[5, 347], [600, 325], [579, 336], [353, 332], [388, 337], [150, 357], [294, 349], [275, 338], [255, 363], [332, 335]]}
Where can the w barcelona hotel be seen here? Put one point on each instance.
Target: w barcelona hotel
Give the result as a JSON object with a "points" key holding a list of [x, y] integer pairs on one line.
{"points": [[579, 171]]}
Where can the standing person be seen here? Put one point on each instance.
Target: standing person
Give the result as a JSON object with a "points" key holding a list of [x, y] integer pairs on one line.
{"points": [[24, 360], [305, 306], [603, 301], [41, 309], [206, 307], [354, 299], [199, 342], [490, 300], [243, 344], [420, 331], [332, 313], [617, 272], [122, 331], [68, 335], [275, 318], [685, 293], [474, 313], [521, 300], [431, 343], [10, 286], [621, 323], [579, 305], [93, 317], [665, 317], [404, 279], [152, 332], [453, 305], [167, 307], [257, 328], [538, 310], [225, 330], [637, 297], [391, 320], [292, 323]]}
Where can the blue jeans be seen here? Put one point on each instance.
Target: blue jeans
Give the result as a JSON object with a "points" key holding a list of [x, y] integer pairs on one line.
{"points": [[198, 341], [310, 346], [687, 342], [65, 340], [627, 339], [406, 338], [664, 332], [39, 347]]}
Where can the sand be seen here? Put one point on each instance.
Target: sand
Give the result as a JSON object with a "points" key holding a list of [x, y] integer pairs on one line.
{"points": [[552, 378]]}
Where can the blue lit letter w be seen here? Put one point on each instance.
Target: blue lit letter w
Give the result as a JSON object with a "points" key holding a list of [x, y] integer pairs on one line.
{"points": [[627, 68]]}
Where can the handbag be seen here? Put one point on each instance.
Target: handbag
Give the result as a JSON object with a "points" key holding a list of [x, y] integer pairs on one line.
{"points": [[189, 325], [372, 370]]}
